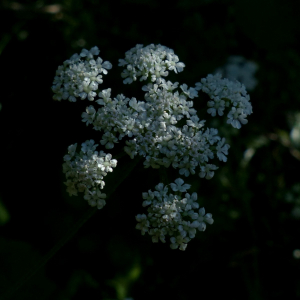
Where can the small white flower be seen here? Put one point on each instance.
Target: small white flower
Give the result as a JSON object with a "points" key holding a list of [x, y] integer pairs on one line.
{"points": [[191, 92], [108, 139], [105, 95], [203, 219], [179, 185], [72, 149], [131, 148], [222, 150], [89, 115], [143, 223], [217, 105], [236, 117], [179, 241], [207, 171], [88, 146], [173, 64], [161, 191], [191, 201], [95, 198]]}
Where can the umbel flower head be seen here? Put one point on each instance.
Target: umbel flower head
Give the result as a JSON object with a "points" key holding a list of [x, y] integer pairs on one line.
{"points": [[153, 128], [225, 93], [175, 215], [163, 128], [85, 172], [79, 76], [151, 61]]}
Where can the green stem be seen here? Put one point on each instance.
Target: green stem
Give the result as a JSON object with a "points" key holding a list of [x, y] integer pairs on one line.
{"points": [[112, 185]]}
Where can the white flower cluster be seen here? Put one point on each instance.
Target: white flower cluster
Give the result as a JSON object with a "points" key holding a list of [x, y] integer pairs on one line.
{"points": [[79, 76], [85, 172], [241, 69], [173, 215], [153, 126], [152, 60], [225, 93], [164, 129]]}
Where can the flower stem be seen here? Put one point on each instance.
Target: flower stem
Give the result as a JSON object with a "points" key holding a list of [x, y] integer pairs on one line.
{"points": [[111, 186]]}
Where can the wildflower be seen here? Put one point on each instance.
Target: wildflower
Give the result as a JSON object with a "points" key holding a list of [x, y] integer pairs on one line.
{"points": [[223, 93], [152, 60], [222, 150], [179, 185], [207, 171], [85, 172], [172, 215], [79, 76], [163, 128]]}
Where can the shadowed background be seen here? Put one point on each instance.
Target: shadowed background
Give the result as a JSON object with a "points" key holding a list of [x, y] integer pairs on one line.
{"points": [[248, 253]]}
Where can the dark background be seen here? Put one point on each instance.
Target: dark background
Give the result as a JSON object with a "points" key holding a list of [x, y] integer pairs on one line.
{"points": [[255, 201]]}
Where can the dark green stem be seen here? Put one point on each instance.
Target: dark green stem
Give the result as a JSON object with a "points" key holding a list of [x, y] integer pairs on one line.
{"points": [[111, 186]]}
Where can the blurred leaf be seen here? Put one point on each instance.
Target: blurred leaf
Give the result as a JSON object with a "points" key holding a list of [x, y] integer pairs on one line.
{"points": [[4, 214], [123, 283]]}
